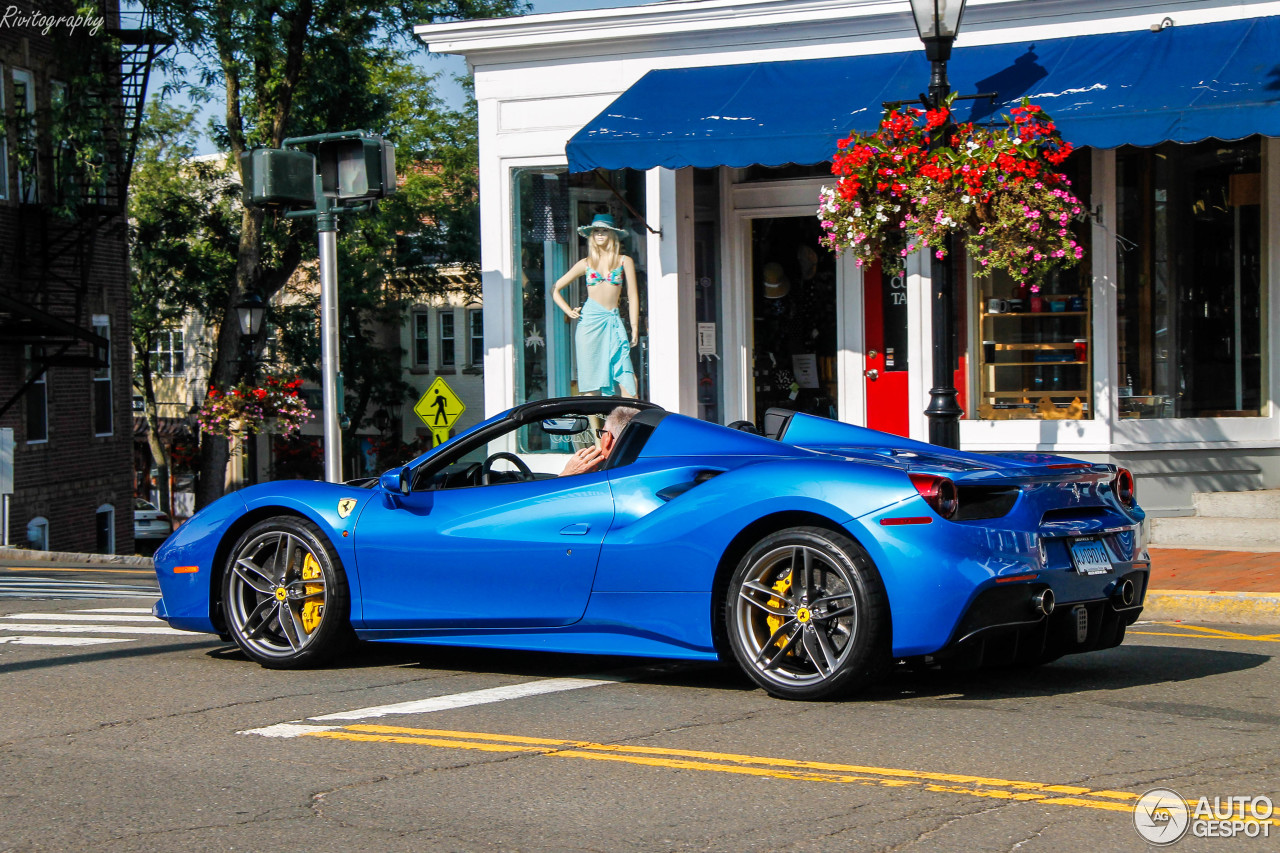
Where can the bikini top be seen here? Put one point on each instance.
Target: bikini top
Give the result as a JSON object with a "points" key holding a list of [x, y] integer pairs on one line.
{"points": [[614, 277]]}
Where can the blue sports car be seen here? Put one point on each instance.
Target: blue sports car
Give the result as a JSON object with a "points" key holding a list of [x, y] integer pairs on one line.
{"points": [[814, 555]]}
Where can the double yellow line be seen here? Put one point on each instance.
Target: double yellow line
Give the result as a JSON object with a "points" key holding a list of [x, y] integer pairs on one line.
{"points": [[1200, 632], [746, 765]]}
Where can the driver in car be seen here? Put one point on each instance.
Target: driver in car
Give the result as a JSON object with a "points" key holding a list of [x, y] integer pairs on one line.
{"points": [[593, 456]]}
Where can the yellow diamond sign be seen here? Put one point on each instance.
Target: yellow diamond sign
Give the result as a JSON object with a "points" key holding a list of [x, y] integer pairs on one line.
{"points": [[439, 409]]}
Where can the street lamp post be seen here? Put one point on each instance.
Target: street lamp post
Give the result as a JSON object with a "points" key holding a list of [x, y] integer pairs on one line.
{"points": [[250, 312], [938, 21]]}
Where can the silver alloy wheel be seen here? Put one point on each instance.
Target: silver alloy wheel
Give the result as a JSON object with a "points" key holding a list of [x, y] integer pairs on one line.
{"points": [[796, 615], [267, 594]]}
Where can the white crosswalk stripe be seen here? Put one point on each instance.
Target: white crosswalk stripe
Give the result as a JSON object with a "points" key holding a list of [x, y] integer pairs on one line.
{"points": [[35, 587], [108, 625]]}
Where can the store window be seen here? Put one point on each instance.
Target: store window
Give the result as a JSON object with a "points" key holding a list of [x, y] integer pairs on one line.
{"points": [[447, 353], [102, 409], [1189, 246], [793, 340], [475, 326], [421, 339], [1035, 360], [553, 352], [37, 398], [708, 305]]}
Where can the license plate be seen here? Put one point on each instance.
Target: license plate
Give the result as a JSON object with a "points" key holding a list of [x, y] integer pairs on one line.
{"points": [[1090, 557]]}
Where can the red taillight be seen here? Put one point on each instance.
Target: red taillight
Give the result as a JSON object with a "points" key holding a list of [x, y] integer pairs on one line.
{"points": [[1124, 486], [938, 492]]}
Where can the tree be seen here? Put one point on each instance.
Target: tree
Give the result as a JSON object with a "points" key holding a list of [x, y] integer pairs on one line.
{"points": [[391, 258], [183, 234], [291, 68]]}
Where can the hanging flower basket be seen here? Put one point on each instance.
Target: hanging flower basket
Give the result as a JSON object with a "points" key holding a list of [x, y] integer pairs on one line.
{"points": [[997, 188], [270, 406]]}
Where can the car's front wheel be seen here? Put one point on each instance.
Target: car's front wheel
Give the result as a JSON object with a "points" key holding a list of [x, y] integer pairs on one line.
{"points": [[285, 596], [807, 615]]}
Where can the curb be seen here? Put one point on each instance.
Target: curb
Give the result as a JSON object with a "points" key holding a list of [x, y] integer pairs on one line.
{"points": [[24, 555], [1245, 608]]}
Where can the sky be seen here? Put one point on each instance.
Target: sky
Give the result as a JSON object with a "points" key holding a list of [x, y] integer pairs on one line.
{"points": [[446, 66]]}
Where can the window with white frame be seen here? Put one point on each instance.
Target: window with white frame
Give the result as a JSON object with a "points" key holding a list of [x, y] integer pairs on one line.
{"points": [[37, 397], [104, 521], [38, 533], [167, 357], [102, 409], [475, 324], [421, 339], [24, 108], [447, 358]]}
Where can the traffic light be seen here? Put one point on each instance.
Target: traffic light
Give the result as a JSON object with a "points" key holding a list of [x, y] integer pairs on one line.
{"points": [[359, 169], [278, 177]]}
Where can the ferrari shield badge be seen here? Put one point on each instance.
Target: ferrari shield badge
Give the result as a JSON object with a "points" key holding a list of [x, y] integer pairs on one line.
{"points": [[345, 506]]}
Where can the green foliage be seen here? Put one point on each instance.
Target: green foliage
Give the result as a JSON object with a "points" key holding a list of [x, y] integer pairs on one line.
{"points": [[297, 67], [183, 229]]}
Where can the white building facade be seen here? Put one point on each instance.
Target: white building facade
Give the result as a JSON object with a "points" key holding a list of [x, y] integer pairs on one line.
{"points": [[1158, 352]]}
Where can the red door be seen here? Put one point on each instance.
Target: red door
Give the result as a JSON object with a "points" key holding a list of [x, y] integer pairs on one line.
{"points": [[884, 311]]}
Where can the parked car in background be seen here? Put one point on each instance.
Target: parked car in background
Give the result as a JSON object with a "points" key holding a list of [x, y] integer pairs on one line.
{"points": [[151, 526]]}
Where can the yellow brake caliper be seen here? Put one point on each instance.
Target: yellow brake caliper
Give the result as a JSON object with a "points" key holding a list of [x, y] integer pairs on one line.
{"points": [[782, 587], [312, 609]]}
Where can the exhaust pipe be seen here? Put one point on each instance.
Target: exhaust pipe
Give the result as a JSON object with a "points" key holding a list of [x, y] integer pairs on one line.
{"points": [[1042, 602], [1124, 594]]}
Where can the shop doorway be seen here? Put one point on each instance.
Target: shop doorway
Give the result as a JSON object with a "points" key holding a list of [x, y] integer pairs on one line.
{"points": [[794, 312], [885, 318]]}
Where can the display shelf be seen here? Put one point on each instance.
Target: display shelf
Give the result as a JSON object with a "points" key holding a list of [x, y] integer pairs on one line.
{"points": [[1034, 314], [1022, 353]]}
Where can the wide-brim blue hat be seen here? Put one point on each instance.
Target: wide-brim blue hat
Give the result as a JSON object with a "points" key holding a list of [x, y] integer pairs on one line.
{"points": [[601, 220]]}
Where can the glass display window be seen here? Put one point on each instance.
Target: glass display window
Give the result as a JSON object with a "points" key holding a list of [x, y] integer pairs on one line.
{"points": [[1035, 344], [1189, 269], [555, 357]]}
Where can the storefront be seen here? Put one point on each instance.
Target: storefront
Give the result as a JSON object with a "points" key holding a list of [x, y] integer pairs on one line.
{"points": [[702, 129]]}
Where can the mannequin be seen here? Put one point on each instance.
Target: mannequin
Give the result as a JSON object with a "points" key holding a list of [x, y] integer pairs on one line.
{"points": [[602, 347]]}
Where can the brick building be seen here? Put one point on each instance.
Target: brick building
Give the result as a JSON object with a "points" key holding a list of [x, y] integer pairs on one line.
{"points": [[71, 95]]}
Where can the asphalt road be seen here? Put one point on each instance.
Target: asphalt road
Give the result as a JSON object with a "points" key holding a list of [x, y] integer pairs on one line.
{"points": [[119, 735]]}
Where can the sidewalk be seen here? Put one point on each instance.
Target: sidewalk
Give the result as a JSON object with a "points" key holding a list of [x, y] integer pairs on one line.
{"points": [[1196, 585], [1189, 585]]}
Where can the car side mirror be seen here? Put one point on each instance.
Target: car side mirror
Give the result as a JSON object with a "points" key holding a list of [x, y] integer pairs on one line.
{"points": [[397, 481]]}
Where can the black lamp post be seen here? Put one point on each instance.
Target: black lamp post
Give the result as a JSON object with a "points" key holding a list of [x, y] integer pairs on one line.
{"points": [[938, 21], [250, 312]]}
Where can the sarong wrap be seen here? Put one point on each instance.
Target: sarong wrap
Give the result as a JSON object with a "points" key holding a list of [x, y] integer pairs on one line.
{"points": [[602, 351]]}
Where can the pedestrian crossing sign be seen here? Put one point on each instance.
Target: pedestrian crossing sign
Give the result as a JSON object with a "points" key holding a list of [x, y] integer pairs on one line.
{"points": [[439, 408]]}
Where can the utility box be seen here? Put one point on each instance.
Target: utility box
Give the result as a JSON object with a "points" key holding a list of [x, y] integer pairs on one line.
{"points": [[6, 482], [359, 169], [278, 177]]}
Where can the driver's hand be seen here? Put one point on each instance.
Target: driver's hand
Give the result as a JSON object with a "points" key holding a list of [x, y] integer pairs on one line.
{"points": [[586, 459]]}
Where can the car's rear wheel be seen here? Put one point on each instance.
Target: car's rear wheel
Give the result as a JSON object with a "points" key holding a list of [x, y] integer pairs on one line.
{"points": [[285, 596], [807, 615]]}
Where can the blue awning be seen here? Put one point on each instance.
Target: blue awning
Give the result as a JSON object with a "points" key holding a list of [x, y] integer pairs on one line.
{"points": [[1184, 84]]}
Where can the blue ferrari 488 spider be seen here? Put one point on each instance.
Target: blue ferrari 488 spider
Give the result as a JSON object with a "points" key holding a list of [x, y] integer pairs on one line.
{"points": [[814, 555]]}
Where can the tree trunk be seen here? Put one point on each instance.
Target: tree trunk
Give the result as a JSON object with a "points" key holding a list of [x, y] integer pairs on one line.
{"points": [[159, 456]]}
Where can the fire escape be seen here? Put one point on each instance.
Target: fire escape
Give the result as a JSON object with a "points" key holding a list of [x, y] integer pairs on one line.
{"points": [[46, 277]]}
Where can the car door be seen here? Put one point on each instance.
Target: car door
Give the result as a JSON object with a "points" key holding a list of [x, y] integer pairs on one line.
{"points": [[509, 555]]}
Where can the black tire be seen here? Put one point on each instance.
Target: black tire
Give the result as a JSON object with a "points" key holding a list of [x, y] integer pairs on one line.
{"points": [[277, 609], [819, 633]]}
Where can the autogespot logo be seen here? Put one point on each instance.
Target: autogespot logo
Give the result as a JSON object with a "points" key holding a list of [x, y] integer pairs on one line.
{"points": [[1161, 816]]}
